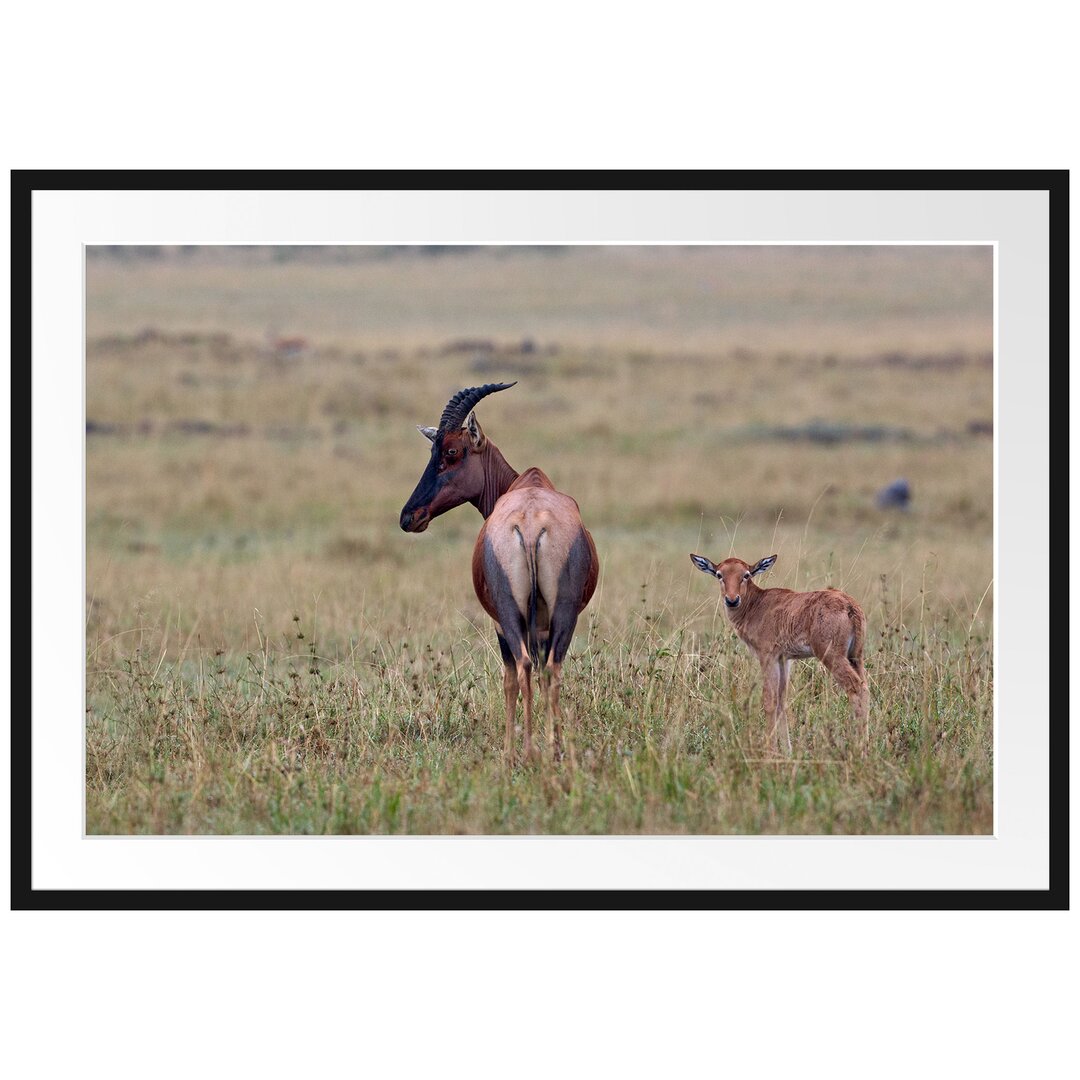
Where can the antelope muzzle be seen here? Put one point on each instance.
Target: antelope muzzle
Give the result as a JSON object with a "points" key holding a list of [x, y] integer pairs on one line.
{"points": [[415, 521]]}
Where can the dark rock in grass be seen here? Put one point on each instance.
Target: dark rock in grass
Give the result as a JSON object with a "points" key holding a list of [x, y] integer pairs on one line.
{"points": [[895, 496]]}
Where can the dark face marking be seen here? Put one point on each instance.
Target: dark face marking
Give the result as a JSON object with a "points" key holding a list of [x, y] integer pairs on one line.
{"points": [[442, 485]]}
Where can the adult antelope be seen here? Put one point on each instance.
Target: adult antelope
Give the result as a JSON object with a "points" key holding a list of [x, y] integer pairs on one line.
{"points": [[781, 625], [534, 566]]}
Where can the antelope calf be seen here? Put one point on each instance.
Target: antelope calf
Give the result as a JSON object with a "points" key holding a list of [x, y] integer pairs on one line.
{"points": [[781, 625], [534, 566]]}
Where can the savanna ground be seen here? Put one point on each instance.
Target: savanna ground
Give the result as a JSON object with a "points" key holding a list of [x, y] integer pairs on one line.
{"points": [[268, 653]]}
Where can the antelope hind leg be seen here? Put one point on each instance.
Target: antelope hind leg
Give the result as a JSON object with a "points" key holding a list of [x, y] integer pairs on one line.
{"points": [[510, 692], [552, 683], [524, 678]]}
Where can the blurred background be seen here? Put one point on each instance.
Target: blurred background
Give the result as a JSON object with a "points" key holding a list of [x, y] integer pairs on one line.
{"points": [[251, 405], [251, 436]]}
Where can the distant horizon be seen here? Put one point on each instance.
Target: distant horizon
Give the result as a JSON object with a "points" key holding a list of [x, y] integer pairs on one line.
{"points": [[799, 299]]}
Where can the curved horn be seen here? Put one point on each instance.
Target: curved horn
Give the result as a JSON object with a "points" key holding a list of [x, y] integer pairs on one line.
{"points": [[459, 406]]}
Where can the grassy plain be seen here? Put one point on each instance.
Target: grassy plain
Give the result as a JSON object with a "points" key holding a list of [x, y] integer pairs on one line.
{"points": [[267, 652]]}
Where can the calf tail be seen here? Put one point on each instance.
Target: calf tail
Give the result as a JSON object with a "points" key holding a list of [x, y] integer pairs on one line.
{"points": [[858, 637]]}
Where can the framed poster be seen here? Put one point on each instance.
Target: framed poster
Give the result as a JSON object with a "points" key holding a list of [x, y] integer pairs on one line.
{"points": [[289, 701]]}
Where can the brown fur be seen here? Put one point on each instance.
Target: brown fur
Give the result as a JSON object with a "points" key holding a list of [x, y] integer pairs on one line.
{"points": [[532, 503], [781, 625]]}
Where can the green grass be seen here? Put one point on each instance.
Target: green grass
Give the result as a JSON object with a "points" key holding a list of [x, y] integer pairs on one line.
{"points": [[268, 653], [664, 735]]}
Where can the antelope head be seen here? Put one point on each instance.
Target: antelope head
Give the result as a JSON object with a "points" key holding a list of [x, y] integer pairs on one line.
{"points": [[734, 575], [455, 472]]}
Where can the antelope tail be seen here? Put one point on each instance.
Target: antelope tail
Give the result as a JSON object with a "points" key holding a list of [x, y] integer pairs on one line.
{"points": [[532, 631]]}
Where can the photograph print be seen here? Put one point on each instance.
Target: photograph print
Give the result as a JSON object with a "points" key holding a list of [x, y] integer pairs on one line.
{"points": [[552, 539]]}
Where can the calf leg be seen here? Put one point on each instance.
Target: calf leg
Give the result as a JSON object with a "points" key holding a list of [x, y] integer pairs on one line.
{"points": [[860, 709], [781, 701], [853, 682], [770, 694], [860, 704]]}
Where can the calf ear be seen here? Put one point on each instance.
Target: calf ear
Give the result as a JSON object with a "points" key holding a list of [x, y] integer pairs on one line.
{"points": [[703, 564], [762, 565], [428, 432]]}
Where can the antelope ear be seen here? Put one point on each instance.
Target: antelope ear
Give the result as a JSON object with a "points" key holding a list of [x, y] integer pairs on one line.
{"points": [[762, 565], [703, 564], [428, 432], [477, 438]]}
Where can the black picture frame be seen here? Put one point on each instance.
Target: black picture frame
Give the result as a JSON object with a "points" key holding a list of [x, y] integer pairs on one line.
{"points": [[24, 183]]}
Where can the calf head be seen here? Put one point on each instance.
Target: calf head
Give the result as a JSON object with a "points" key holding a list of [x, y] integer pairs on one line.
{"points": [[734, 575]]}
